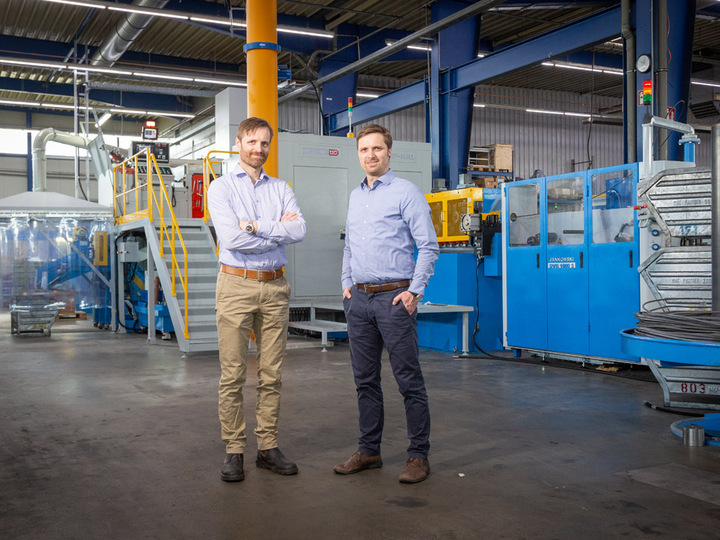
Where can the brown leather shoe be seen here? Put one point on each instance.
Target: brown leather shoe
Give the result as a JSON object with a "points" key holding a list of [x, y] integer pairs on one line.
{"points": [[416, 470], [358, 462]]}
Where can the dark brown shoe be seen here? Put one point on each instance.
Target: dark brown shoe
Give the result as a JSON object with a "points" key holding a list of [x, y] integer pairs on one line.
{"points": [[274, 460], [416, 470], [358, 462], [232, 470]]}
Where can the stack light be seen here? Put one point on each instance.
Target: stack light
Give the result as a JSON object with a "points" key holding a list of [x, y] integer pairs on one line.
{"points": [[647, 92]]}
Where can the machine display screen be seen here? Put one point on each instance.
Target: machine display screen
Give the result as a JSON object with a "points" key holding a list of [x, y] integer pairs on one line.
{"points": [[159, 150]]}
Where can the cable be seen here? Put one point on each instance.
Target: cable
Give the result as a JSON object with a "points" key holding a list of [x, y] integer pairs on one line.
{"points": [[669, 410], [323, 126], [697, 323], [117, 304], [477, 315]]}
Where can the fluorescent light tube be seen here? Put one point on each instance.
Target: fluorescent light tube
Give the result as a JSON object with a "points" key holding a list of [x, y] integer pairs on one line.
{"points": [[158, 76], [150, 12], [221, 82], [103, 119]]}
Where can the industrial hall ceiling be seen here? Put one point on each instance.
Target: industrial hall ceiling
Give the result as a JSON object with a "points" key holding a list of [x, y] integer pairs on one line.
{"points": [[165, 56]]}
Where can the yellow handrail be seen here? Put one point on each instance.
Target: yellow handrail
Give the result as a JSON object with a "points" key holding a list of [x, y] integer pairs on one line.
{"points": [[124, 217], [207, 171]]}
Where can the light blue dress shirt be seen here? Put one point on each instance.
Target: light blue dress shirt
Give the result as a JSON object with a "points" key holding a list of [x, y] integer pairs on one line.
{"points": [[233, 198], [383, 226]]}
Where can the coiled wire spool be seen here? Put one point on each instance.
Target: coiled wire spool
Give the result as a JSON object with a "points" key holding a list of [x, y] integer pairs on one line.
{"points": [[697, 322]]}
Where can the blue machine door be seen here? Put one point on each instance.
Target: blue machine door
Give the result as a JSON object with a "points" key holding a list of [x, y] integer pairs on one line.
{"points": [[526, 271], [615, 293], [567, 265]]}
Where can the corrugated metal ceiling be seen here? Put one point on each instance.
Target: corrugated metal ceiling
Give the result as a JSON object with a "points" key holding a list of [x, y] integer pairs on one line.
{"points": [[40, 20]]}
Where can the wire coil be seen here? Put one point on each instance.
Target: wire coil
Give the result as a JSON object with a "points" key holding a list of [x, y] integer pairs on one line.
{"points": [[691, 319]]}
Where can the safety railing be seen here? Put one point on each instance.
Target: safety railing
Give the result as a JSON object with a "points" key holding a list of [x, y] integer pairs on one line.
{"points": [[209, 175], [144, 209]]}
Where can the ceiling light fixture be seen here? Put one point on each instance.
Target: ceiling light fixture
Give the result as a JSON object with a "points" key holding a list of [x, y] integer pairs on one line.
{"points": [[57, 106], [366, 95], [81, 4], [415, 46], [544, 112], [148, 11], [159, 76], [607, 71], [152, 113], [103, 119], [706, 83], [187, 16], [217, 20], [221, 82], [19, 103], [305, 32], [61, 66]]}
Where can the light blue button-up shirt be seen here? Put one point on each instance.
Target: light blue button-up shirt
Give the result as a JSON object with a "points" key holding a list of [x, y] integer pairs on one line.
{"points": [[383, 226], [233, 198]]}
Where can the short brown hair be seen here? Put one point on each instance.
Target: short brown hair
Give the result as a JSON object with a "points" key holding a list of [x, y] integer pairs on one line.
{"points": [[252, 124], [376, 128]]}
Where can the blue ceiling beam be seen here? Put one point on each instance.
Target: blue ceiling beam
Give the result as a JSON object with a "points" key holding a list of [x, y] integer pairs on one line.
{"points": [[394, 101], [39, 50], [573, 37], [130, 100], [557, 43]]}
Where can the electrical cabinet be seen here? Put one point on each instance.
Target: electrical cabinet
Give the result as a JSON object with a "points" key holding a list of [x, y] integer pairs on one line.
{"points": [[323, 171]]}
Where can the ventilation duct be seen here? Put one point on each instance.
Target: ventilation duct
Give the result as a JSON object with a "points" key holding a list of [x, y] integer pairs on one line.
{"points": [[126, 31]]}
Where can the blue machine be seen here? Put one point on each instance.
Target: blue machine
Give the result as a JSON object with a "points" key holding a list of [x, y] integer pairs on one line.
{"points": [[467, 277], [136, 303], [571, 255], [77, 264]]}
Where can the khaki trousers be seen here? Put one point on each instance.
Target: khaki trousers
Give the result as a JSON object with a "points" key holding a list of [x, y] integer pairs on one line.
{"points": [[243, 305]]}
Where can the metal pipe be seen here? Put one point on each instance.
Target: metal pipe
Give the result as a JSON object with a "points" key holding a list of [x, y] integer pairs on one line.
{"points": [[662, 90], [126, 32], [715, 215], [262, 66], [434, 28], [630, 83], [39, 164]]}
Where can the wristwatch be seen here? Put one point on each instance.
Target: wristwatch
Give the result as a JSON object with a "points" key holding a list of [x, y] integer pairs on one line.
{"points": [[417, 296], [249, 228]]}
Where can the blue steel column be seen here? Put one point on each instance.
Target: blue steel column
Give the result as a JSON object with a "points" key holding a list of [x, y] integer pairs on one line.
{"points": [[681, 34], [680, 38], [451, 114], [643, 26]]}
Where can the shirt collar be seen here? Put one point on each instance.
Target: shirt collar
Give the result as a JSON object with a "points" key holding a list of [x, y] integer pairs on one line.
{"points": [[386, 179], [240, 173]]}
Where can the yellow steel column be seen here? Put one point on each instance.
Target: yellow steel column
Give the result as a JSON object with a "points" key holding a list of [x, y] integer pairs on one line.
{"points": [[262, 67]]}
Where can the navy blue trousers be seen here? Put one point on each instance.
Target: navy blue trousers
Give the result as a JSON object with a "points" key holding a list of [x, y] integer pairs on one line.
{"points": [[373, 322]]}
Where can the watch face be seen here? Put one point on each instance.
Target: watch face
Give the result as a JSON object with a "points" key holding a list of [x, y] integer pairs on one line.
{"points": [[643, 63]]}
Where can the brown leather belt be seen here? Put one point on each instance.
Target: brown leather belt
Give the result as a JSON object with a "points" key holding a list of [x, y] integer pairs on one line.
{"points": [[380, 287], [263, 275]]}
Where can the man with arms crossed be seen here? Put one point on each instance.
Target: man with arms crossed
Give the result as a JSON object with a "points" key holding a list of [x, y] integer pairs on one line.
{"points": [[382, 284], [255, 217]]}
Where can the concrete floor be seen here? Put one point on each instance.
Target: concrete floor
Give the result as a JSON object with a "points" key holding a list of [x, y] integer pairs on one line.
{"points": [[104, 436]]}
